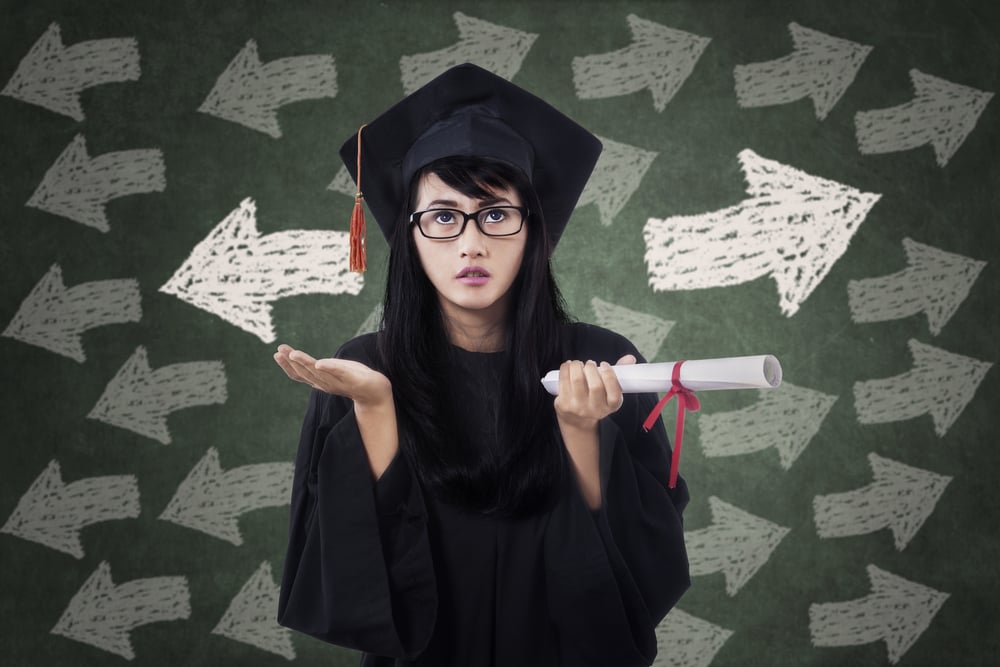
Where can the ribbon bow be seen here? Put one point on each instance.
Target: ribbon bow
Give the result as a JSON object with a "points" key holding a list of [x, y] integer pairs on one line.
{"points": [[686, 400]]}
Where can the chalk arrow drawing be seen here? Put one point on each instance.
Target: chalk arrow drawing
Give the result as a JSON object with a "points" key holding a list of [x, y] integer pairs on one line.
{"points": [[646, 331], [793, 227], [786, 419], [616, 177], [79, 187], [343, 183], [250, 618], [235, 272], [212, 501], [897, 612], [737, 544], [250, 93], [934, 282], [659, 58], [53, 513], [683, 639], [942, 114], [52, 75], [372, 323], [102, 614], [821, 68], [54, 317], [900, 499], [941, 384], [494, 47], [139, 399]]}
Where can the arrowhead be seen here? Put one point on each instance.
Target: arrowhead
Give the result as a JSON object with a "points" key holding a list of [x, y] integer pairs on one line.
{"points": [[654, 46], [811, 223], [913, 493], [646, 331], [38, 79], [956, 109], [38, 516], [233, 96], [834, 61], [215, 276], [904, 608], [689, 640], [90, 616], [250, 616], [616, 177], [747, 540], [953, 378], [38, 322], [942, 278], [123, 402], [64, 189], [198, 502]]}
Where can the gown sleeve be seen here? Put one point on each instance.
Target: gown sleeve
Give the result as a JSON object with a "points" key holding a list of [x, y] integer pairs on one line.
{"points": [[615, 572], [358, 570]]}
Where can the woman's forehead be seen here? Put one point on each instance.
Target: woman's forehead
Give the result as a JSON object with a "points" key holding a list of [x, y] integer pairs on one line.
{"points": [[432, 188]]}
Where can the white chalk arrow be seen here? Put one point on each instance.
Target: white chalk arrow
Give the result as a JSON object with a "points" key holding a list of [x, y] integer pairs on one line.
{"points": [[212, 501], [343, 183], [139, 399], [53, 513], [659, 58], [900, 499], [102, 614], [235, 272], [646, 331], [941, 383], [942, 114], [687, 641], [54, 317], [616, 177], [79, 187], [497, 48], [934, 282], [821, 68], [897, 612], [251, 615], [786, 419], [250, 93], [372, 323], [793, 227], [737, 544], [52, 75]]}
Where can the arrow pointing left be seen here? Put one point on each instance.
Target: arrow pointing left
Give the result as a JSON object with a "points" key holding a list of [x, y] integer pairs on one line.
{"points": [[235, 272], [660, 59], [497, 48], [52, 513], [54, 317], [212, 501], [52, 75], [897, 612], [102, 614], [79, 187], [250, 617], [139, 398], [793, 226], [250, 93]]}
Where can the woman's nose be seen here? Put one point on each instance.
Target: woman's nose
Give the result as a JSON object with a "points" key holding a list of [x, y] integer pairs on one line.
{"points": [[472, 242]]}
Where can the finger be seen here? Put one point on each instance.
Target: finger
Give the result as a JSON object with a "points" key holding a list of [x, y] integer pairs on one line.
{"points": [[596, 393], [287, 367], [627, 360], [616, 398]]}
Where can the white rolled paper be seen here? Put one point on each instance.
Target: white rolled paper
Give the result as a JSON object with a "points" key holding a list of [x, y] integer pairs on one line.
{"points": [[762, 371]]}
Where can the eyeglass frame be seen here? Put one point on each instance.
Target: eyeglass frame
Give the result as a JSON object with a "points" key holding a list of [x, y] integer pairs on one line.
{"points": [[414, 220]]}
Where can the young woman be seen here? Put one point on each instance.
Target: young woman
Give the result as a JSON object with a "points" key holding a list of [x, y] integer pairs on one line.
{"points": [[446, 510]]}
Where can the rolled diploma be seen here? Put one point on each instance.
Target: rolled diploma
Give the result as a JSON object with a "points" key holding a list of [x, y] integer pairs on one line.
{"points": [[762, 371]]}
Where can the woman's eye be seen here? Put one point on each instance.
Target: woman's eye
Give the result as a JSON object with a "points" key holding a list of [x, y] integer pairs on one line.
{"points": [[496, 215], [444, 217]]}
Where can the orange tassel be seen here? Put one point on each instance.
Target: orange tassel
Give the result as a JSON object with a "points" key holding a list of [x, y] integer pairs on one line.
{"points": [[358, 260]]}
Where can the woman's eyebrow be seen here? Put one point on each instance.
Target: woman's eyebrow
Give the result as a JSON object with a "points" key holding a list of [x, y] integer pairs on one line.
{"points": [[487, 201]]}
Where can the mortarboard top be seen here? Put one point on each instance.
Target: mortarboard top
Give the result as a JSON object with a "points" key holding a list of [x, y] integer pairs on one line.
{"points": [[469, 111]]}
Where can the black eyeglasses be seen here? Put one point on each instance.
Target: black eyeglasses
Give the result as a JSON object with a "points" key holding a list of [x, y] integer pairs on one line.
{"points": [[443, 223]]}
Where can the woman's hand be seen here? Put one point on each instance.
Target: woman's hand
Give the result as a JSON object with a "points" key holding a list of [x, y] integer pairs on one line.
{"points": [[588, 392], [342, 377]]}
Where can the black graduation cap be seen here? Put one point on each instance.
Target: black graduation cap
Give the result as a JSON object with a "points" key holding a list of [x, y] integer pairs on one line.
{"points": [[469, 111]]}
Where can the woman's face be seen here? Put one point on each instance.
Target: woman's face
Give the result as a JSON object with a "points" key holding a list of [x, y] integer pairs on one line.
{"points": [[472, 273]]}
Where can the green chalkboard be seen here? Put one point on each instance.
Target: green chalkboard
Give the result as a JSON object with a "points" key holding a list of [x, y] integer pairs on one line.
{"points": [[809, 179]]}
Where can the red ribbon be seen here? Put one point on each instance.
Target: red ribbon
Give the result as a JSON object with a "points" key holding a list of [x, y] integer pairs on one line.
{"points": [[686, 400]]}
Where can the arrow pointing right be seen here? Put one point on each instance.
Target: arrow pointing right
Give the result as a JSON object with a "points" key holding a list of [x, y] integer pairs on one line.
{"points": [[901, 498], [935, 282], [646, 331], [139, 399], [942, 114], [941, 383], [53, 513], [497, 48], [897, 612], [736, 544], [683, 639], [659, 58], [822, 68], [616, 177], [102, 614], [54, 318], [250, 617], [52, 75]]}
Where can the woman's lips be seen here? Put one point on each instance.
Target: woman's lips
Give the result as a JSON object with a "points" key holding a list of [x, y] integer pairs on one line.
{"points": [[473, 275]]}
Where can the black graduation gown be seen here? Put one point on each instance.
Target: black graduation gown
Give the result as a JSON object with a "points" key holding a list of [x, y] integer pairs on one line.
{"points": [[387, 569]]}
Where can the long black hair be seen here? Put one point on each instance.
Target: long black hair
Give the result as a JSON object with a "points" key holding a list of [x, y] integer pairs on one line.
{"points": [[414, 349]]}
